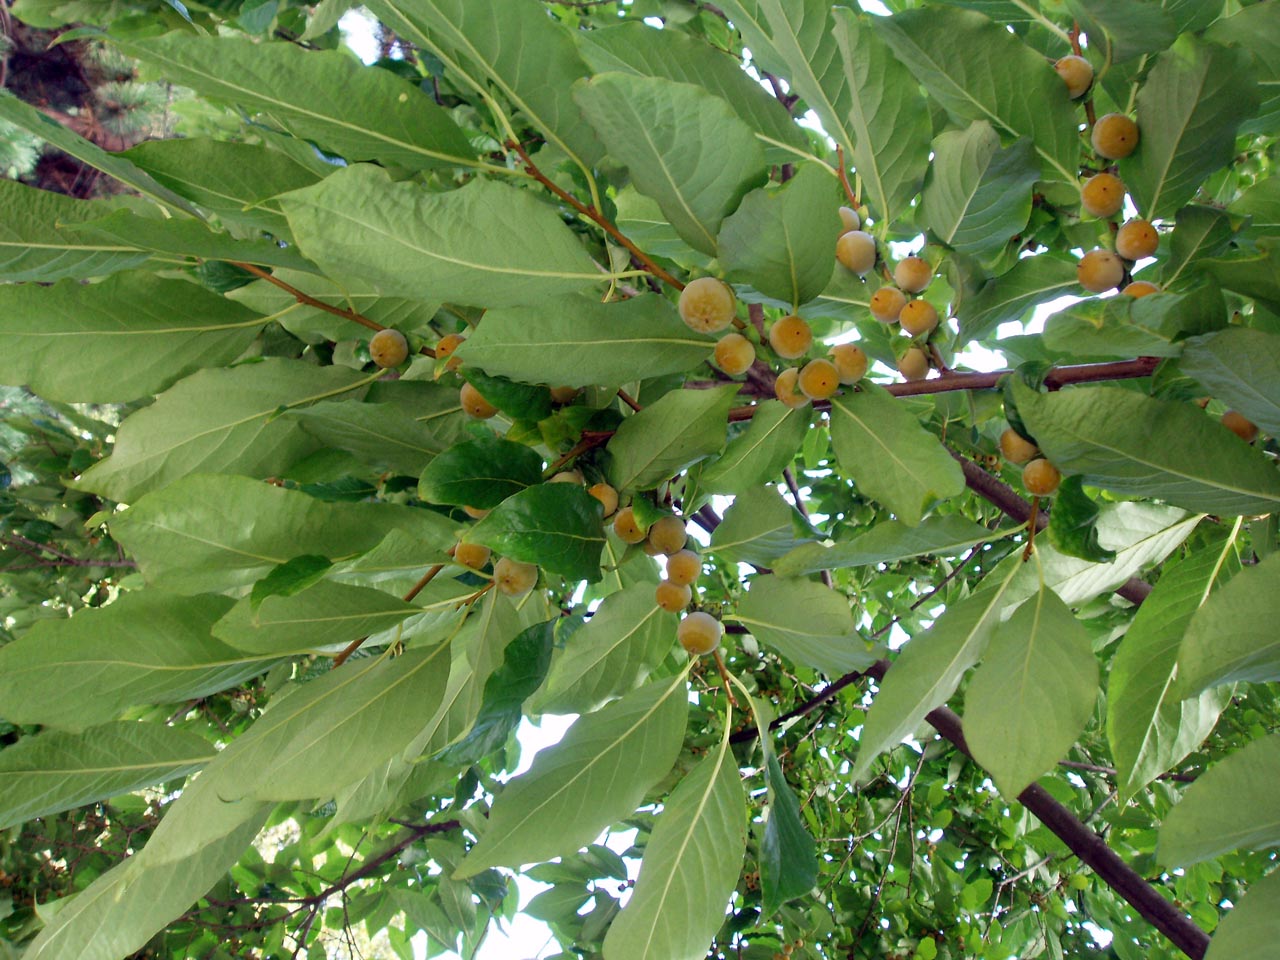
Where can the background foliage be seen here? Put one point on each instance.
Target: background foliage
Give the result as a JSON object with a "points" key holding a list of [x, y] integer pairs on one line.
{"points": [[251, 705]]}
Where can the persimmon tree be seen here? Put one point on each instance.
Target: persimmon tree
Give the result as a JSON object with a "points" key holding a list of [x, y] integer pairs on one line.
{"points": [[864, 425]]}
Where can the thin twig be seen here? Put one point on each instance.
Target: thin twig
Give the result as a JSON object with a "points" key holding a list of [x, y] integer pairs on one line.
{"points": [[416, 589], [308, 299]]}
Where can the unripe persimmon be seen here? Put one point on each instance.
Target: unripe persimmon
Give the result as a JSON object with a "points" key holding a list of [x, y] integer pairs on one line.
{"points": [[1040, 478], [850, 361], [849, 219], [699, 633], [1140, 288], [446, 347], [918, 318], [913, 274], [471, 555], [514, 578], [607, 496], [1076, 72], [734, 354], [627, 527], [818, 379], [886, 303], [1136, 239], [672, 597], [856, 250], [668, 535], [790, 337], [565, 394], [914, 364], [1015, 448], [568, 476], [388, 348], [1100, 270], [1114, 136], [785, 388], [684, 567], [706, 305], [1102, 195], [474, 403]]}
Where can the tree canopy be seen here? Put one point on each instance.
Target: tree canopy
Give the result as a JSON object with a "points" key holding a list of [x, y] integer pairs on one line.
{"points": [[862, 425]]}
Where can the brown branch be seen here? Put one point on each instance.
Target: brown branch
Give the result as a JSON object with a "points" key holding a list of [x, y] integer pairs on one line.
{"points": [[629, 400], [844, 177], [416, 589], [309, 300], [595, 216]]}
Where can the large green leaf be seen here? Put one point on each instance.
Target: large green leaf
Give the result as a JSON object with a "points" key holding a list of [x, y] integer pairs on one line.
{"points": [[1149, 728], [808, 623], [22, 114], [56, 771], [127, 337], [890, 456], [1254, 273], [579, 341], [323, 615], [1135, 445], [1248, 932], [218, 421], [237, 181], [1152, 326], [1189, 109], [1233, 806], [682, 427], [978, 70], [639, 48], [377, 116], [627, 637], [684, 147], [690, 866], [759, 453], [594, 777], [555, 525], [457, 245], [485, 44], [35, 244], [788, 853], [779, 239], [888, 542], [383, 435], [928, 670], [1232, 637], [480, 473], [1033, 694], [146, 647], [211, 533], [1120, 30], [335, 730], [977, 195], [758, 527], [1255, 29], [1012, 295], [1241, 367]]}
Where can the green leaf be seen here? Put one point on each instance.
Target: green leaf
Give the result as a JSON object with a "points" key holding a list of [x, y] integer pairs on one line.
{"points": [[758, 527], [779, 238], [555, 525], [1151, 326], [1189, 108], [888, 542], [382, 435], [1120, 30], [1033, 694], [684, 147], [1199, 233], [519, 401], [808, 623], [455, 246], [1255, 273], [1233, 806], [978, 70], [1248, 932], [880, 444], [1232, 637], [1254, 28], [56, 771], [237, 181], [1073, 524], [146, 647], [486, 45], [627, 637], [1241, 367], [641, 49], [217, 421], [334, 730], [35, 244], [681, 428], [928, 670], [592, 778], [1012, 295], [523, 669], [977, 195], [758, 454], [1151, 729], [211, 533], [326, 614], [690, 866], [788, 854], [480, 473], [127, 337], [579, 342], [1135, 445], [377, 117], [22, 114]]}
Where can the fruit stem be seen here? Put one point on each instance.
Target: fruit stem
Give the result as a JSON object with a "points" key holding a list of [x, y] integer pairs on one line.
{"points": [[844, 178], [1032, 526], [582, 446], [724, 675], [629, 400], [593, 214], [416, 589]]}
